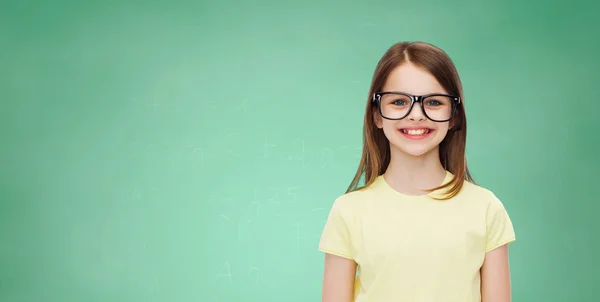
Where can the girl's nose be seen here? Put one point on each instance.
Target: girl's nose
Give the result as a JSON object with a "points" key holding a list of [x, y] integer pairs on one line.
{"points": [[416, 113]]}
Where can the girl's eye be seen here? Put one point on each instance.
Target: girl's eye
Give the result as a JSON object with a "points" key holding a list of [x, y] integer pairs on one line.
{"points": [[399, 102], [433, 103]]}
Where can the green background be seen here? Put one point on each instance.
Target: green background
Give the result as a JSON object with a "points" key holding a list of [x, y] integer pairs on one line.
{"points": [[190, 151]]}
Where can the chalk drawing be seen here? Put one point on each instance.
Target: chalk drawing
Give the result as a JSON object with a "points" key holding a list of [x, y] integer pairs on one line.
{"points": [[225, 217], [230, 201], [267, 146], [256, 203], [275, 196], [293, 194], [254, 271], [326, 156], [244, 105], [225, 273], [302, 152], [136, 194]]}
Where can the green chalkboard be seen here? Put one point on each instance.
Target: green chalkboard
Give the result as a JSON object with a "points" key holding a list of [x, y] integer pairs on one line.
{"points": [[190, 151]]}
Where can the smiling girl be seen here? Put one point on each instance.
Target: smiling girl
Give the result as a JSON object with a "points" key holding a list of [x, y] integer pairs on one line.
{"points": [[420, 229]]}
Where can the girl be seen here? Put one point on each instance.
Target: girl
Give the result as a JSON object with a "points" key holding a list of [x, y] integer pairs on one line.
{"points": [[420, 229]]}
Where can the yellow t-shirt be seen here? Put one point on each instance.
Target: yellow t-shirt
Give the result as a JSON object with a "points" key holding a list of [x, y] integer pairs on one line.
{"points": [[415, 248]]}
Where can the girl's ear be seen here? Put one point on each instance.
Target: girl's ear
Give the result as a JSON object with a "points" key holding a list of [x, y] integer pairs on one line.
{"points": [[452, 127], [377, 118]]}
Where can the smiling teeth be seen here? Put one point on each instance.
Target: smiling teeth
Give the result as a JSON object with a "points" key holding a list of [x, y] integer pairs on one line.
{"points": [[416, 131]]}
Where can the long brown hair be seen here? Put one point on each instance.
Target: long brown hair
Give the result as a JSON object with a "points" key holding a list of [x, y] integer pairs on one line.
{"points": [[376, 150]]}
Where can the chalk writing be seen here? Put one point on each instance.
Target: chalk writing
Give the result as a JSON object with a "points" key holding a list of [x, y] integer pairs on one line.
{"points": [[230, 201], [225, 273], [254, 271], [136, 194], [244, 105], [267, 146], [274, 192], [293, 194], [302, 153]]}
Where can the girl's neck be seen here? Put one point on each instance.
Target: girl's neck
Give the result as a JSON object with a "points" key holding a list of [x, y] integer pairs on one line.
{"points": [[412, 175]]}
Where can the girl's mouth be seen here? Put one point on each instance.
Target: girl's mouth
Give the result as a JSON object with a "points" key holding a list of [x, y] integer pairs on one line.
{"points": [[416, 133]]}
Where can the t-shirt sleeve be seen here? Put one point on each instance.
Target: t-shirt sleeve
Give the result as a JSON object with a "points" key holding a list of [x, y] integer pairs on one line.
{"points": [[336, 236], [499, 226]]}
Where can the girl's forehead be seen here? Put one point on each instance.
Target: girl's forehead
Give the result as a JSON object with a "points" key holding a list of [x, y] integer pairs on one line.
{"points": [[412, 79]]}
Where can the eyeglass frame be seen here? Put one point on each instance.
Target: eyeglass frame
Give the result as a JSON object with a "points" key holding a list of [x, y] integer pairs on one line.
{"points": [[414, 99]]}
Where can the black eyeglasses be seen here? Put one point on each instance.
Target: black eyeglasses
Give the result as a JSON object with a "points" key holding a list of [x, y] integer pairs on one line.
{"points": [[395, 105]]}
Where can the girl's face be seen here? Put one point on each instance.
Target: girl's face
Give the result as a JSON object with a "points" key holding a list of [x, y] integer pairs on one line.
{"points": [[414, 135]]}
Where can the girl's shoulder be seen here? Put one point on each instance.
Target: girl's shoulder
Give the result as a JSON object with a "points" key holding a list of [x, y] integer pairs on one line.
{"points": [[480, 195], [352, 203]]}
